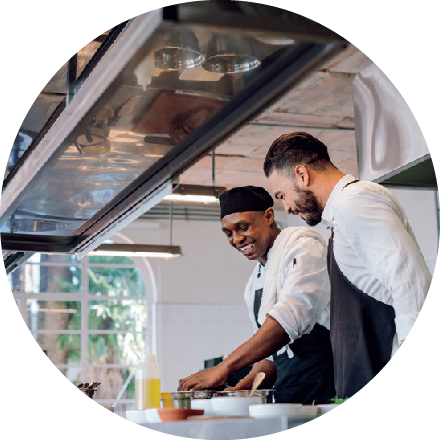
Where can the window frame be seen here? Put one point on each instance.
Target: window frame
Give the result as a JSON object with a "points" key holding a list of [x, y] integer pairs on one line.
{"points": [[84, 297]]}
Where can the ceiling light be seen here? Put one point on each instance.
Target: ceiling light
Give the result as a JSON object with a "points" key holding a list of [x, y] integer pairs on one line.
{"points": [[196, 193], [137, 250]]}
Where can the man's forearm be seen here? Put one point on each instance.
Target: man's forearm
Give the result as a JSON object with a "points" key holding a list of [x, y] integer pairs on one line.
{"points": [[267, 340]]}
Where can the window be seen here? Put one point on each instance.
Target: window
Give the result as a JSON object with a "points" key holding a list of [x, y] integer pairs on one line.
{"points": [[91, 317]]}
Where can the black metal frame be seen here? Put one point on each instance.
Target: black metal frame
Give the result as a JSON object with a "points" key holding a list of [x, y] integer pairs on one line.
{"points": [[280, 75], [293, 63]]}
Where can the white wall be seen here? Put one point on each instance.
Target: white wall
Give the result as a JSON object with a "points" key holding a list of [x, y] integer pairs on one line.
{"points": [[200, 311]]}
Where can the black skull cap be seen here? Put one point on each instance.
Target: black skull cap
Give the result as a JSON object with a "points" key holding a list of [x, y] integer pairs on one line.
{"points": [[244, 198]]}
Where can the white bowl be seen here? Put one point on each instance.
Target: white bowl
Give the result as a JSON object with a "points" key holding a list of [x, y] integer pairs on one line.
{"points": [[275, 409], [152, 415], [149, 415], [136, 416], [203, 404], [233, 405]]}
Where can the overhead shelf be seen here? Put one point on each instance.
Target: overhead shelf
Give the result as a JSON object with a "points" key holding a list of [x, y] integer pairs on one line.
{"points": [[418, 174]]}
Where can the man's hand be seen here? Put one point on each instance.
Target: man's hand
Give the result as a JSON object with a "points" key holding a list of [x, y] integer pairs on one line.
{"points": [[267, 340], [203, 380], [265, 366]]}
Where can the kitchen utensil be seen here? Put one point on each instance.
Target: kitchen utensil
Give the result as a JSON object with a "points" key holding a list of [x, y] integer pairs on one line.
{"points": [[136, 416], [259, 377], [182, 399], [204, 404], [173, 414], [233, 405], [149, 415], [267, 395]]}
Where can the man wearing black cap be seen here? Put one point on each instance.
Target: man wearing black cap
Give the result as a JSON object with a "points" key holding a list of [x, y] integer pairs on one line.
{"points": [[288, 297]]}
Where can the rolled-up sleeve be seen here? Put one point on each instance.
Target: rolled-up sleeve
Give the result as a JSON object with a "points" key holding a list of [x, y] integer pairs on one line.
{"points": [[305, 294]]}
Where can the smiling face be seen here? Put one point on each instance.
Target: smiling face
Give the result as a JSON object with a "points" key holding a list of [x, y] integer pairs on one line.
{"points": [[296, 200], [252, 233]]}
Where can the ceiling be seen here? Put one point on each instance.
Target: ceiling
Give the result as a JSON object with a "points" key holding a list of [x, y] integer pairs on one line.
{"points": [[321, 104]]}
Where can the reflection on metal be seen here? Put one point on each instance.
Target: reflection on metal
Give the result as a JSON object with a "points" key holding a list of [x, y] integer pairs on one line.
{"points": [[230, 54], [389, 140], [16, 224], [138, 250], [180, 51], [274, 39], [94, 140]]}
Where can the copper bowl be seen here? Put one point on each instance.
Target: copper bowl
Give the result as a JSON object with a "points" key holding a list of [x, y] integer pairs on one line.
{"points": [[174, 414]]}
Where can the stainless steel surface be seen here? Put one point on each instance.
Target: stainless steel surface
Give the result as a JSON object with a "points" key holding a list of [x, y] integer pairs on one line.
{"points": [[267, 396], [388, 137], [182, 399], [202, 394]]}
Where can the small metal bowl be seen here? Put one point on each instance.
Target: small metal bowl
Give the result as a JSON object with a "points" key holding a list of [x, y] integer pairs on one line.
{"points": [[267, 396], [181, 399]]}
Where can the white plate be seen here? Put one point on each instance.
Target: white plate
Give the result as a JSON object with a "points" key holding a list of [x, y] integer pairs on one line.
{"points": [[275, 409]]}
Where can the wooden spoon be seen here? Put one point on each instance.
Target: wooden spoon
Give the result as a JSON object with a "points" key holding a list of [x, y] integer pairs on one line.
{"points": [[259, 377]]}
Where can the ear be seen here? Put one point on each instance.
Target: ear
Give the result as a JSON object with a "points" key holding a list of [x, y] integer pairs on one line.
{"points": [[269, 215], [302, 176]]}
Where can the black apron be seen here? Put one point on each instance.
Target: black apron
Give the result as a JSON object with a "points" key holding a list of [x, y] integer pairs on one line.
{"points": [[362, 331], [307, 377]]}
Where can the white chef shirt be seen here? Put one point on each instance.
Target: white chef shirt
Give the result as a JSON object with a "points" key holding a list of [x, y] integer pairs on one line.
{"points": [[376, 250], [304, 299]]}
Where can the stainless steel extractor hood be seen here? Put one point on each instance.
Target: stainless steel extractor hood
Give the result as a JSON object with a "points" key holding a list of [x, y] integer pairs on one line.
{"points": [[390, 145], [149, 106]]}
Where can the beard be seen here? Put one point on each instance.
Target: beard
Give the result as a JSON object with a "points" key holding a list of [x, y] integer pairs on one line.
{"points": [[308, 205]]}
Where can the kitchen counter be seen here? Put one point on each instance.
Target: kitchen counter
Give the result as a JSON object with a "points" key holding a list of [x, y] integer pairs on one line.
{"points": [[226, 429]]}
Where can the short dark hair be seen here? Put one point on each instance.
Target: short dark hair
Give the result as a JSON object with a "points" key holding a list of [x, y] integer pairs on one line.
{"points": [[298, 148]]}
